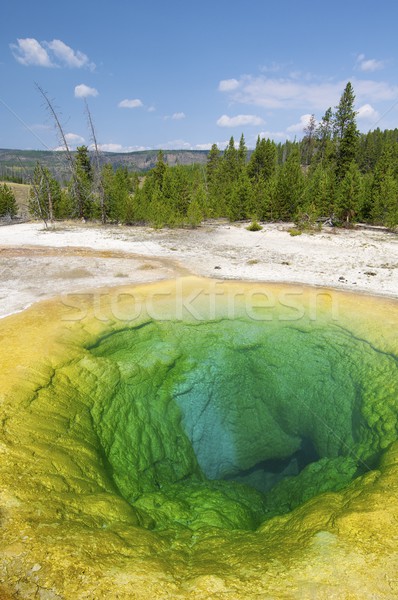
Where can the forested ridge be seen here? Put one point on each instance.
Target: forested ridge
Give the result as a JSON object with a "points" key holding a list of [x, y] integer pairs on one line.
{"points": [[334, 173]]}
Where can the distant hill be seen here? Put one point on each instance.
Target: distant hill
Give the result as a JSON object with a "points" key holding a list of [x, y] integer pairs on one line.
{"points": [[21, 163]]}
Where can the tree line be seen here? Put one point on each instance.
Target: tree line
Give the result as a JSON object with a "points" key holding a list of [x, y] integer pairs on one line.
{"points": [[334, 173]]}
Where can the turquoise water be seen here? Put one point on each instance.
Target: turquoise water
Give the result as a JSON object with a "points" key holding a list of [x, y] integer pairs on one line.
{"points": [[229, 422]]}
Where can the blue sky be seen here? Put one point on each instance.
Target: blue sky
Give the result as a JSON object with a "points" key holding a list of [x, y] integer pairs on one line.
{"points": [[183, 74]]}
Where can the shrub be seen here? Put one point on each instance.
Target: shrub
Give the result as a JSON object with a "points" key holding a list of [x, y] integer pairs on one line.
{"points": [[254, 226], [8, 204], [294, 232]]}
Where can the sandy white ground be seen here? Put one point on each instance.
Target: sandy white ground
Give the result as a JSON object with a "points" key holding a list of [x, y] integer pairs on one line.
{"points": [[37, 264]]}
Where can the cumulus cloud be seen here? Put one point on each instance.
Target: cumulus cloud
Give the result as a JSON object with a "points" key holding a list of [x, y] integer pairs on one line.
{"points": [[31, 52], [301, 125], [274, 135], [239, 121], [369, 64], [374, 91], [177, 116], [220, 145], [228, 85], [176, 145], [67, 56], [135, 103], [288, 92], [203, 146], [291, 93], [84, 91], [274, 67], [112, 147], [74, 138], [366, 112]]}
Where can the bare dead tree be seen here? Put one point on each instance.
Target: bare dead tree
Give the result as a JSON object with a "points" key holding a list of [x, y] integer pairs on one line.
{"points": [[62, 138], [98, 177], [40, 210], [59, 128], [46, 182]]}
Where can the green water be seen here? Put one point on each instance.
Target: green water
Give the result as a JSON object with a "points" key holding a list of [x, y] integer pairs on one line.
{"points": [[227, 423]]}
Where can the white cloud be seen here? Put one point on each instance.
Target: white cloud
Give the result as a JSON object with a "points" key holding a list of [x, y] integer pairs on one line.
{"points": [[40, 127], [151, 109], [274, 67], [369, 64], [274, 135], [84, 91], [366, 112], [282, 93], [228, 85], [74, 138], [301, 125], [175, 145], [177, 116], [136, 103], [287, 93], [30, 52], [220, 145], [239, 121], [112, 147], [374, 91], [67, 56], [203, 146]]}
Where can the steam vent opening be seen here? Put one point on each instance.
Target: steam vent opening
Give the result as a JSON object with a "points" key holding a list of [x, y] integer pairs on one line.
{"points": [[198, 439]]}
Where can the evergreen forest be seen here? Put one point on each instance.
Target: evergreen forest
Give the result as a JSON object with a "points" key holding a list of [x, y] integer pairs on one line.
{"points": [[334, 173]]}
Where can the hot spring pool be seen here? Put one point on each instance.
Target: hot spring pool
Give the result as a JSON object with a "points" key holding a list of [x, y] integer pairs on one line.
{"points": [[198, 438]]}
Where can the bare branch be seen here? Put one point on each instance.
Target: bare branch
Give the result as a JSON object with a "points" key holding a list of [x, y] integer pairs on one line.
{"points": [[98, 177]]}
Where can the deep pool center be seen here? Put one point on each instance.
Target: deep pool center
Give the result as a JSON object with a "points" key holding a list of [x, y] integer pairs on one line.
{"points": [[174, 448], [229, 422]]}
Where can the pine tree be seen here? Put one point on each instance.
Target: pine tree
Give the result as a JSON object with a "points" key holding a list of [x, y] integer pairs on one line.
{"points": [[345, 132], [262, 163], [349, 195], [8, 204], [231, 160], [240, 198], [290, 187], [308, 142], [158, 172], [227, 176], [320, 191], [116, 187], [213, 161], [82, 184], [242, 153], [384, 192], [213, 182], [195, 210], [269, 203], [45, 195]]}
